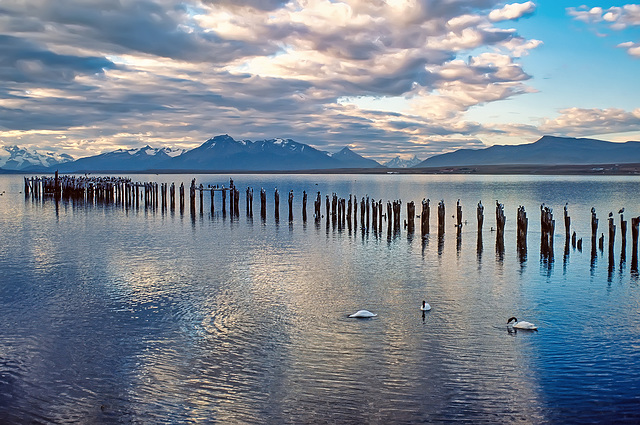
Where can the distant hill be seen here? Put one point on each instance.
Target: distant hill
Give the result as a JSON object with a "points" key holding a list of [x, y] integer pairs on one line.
{"points": [[402, 163], [548, 150], [13, 158], [122, 160], [350, 159]]}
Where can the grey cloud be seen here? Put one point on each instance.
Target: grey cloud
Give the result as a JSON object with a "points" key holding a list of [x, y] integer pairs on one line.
{"points": [[23, 61], [143, 26]]}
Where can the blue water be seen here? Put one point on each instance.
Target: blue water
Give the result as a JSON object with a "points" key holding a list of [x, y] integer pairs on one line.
{"points": [[119, 315]]}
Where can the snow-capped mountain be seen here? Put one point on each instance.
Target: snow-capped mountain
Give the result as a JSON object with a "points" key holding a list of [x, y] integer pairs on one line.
{"points": [[223, 153], [350, 159], [139, 159], [397, 162], [15, 158]]}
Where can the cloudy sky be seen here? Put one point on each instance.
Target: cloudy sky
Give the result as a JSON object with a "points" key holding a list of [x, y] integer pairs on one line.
{"points": [[385, 77]]}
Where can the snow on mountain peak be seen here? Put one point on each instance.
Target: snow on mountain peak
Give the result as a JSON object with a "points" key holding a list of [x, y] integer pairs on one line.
{"points": [[16, 158]]}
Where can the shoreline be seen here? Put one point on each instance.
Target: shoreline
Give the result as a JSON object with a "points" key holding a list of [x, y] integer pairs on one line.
{"points": [[533, 169]]}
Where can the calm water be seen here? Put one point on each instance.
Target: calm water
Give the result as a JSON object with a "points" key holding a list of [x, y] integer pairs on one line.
{"points": [[113, 315]]}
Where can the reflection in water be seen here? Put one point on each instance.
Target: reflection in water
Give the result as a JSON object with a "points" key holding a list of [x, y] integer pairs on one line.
{"points": [[116, 315]]}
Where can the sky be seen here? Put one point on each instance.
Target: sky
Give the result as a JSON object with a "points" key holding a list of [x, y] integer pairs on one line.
{"points": [[384, 77]]}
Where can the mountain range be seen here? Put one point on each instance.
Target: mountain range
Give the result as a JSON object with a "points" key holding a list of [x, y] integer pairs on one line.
{"points": [[548, 150], [397, 162], [223, 153], [14, 158]]}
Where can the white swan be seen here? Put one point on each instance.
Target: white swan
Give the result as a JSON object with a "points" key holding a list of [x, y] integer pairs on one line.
{"points": [[425, 306], [522, 325], [363, 314]]}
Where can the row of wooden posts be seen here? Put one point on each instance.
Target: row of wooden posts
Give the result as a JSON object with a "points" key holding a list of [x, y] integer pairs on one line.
{"points": [[122, 190]]}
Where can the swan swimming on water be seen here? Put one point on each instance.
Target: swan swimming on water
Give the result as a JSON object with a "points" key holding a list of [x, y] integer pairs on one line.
{"points": [[425, 306], [522, 325], [362, 314]]}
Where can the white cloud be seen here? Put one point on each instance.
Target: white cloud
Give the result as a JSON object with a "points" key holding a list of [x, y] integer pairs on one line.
{"points": [[586, 122], [512, 11]]}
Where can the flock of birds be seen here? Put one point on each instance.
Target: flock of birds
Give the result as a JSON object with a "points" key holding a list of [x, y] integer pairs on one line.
{"points": [[513, 321]]}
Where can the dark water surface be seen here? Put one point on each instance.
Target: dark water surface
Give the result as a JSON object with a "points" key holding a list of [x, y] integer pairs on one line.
{"points": [[118, 315]]}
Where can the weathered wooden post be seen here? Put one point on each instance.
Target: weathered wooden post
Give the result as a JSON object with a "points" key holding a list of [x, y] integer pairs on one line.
{"points": [[458, 214], [424, 217], [349, 207], [290, 205], [480, 216], [224, 200], [328, 208], [181, 196], [304, 206], [500, 219], [389, 217], [567, 222], [374, 221], [573, 239], [201, 189], [601, 242], [522, 225], [380, 215], [276, 200], [594, 224], [172, 195], [612, 231], [368, 206], [635, 222], [355, 212], [317, 206], [411, 214], [623, 227], [441, 217], [263, 204]]}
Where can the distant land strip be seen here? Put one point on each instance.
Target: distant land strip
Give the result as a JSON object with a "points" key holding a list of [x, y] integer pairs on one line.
{"points": [[524, 169]]}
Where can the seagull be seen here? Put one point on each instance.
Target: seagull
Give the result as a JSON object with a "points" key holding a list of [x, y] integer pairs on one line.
{"points": [[425, 306], [522, 325]]}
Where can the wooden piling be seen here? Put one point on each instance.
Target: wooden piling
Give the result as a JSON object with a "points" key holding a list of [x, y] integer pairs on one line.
{"points": [[594, 224], [635, 222], [290, 205], [441, 217], [424, 217], [304, 206], [458, 214], [263, 203], [276, 200], [411, 213], [567, 222]]}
